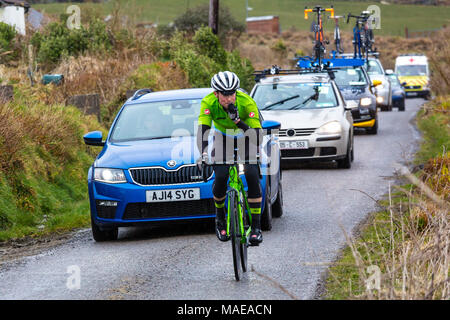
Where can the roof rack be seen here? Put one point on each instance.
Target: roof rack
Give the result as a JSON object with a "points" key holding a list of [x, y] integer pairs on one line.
{"points": [[343, 60], [276, 70], [139, 93]]}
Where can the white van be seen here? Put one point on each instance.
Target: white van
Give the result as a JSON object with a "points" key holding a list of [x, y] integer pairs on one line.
{"points": [[414, 74]]}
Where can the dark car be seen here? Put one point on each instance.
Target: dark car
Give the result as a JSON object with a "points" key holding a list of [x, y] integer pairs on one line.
{"points": [[357, 89], [398, 92], [147, 171]]}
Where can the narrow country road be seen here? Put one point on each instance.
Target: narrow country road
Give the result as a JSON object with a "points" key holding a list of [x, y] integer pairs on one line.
{"points": [[188, 262]]}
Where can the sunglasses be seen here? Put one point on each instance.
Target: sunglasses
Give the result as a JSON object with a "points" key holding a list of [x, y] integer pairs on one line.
{"points": [[227, 93]]}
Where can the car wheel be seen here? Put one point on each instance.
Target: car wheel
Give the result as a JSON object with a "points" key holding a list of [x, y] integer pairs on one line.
{"points": [[401, 105], [104, 235], [353, 149], [277, 207], [346, 163], [374, 129], [266, 215]]}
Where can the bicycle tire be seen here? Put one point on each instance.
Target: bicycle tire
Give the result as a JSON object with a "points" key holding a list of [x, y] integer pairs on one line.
{"points": [[235, 234], [244, 245]]}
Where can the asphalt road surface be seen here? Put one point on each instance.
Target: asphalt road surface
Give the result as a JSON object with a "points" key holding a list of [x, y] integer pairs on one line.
{"points": [[188, 262]]}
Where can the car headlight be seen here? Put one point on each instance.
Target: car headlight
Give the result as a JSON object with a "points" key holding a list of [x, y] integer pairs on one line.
{"points": [[332, 127], [365, 102], [109, 175]]}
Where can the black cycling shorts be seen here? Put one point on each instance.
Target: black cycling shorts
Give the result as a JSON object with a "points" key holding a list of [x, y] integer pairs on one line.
{"points": [[251, 175]]}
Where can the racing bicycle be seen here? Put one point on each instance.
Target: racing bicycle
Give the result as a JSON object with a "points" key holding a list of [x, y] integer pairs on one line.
{"points": [[319, 42], [362, 35], [239, 218], [337, 35]]}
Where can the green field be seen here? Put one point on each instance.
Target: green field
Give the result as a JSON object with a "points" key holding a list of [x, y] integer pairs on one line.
{"points": [[394, 18]]}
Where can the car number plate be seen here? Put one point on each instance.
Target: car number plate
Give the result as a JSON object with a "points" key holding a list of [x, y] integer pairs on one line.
{"points": [[411, 93], [173, 195], [295, 144]]}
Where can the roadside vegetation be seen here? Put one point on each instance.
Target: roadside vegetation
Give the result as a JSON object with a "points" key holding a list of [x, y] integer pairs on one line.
{"points": [[403, 251]]}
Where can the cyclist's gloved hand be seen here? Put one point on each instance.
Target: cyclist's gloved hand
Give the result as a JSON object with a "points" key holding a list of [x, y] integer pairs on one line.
{"points": [[233, 112], [203, 159]]}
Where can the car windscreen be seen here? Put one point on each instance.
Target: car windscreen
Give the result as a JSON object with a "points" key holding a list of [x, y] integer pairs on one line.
{"points": [[350, 77], [156, 120], [412, 70], [373, 67], [291, 96]]}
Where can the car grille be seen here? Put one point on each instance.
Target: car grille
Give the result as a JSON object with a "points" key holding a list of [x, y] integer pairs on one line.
{"points": [[159, 176], [295, 132], [144, 210], [294, 153]]}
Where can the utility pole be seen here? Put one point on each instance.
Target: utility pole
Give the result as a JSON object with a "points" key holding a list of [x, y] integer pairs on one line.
{"points": [[214, 15]]}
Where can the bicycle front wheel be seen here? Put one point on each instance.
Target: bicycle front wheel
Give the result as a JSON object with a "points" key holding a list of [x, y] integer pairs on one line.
{"points": [[235, 234]]}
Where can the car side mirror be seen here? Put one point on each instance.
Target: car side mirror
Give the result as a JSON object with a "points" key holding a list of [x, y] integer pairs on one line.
{"points": [[389, 71], [94, 138], [376, 83], [269, 125]]}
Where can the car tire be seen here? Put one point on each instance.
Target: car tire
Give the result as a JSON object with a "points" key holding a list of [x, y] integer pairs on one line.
{"points": [[401, 105], [346, 163], [277, 207], [104, 235], [374, 129], [266, 215]]}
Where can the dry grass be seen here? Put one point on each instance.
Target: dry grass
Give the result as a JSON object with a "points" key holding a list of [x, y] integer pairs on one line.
{"points": [[415, 249]]}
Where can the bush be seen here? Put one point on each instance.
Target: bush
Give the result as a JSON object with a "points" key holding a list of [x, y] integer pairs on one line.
{"points": [[195, 18], [203, 56], [7, 35], [58, 41]]}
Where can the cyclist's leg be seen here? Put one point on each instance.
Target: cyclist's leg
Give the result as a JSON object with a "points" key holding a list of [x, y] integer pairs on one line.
{"points": [[254, 201], [220, 193]]}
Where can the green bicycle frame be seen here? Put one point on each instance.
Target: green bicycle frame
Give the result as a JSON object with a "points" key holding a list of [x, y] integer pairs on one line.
{"points": [[236, 184]]}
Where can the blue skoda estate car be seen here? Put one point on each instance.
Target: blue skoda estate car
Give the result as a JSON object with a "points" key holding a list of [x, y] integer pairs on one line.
{"points": [[147, 172]]}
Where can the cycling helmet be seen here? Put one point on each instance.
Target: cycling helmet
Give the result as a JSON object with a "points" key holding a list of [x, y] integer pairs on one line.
{"points": [[225, 82]]}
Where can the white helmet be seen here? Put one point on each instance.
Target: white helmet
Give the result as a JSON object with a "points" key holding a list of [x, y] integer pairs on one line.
{"points": [[225, 82]]}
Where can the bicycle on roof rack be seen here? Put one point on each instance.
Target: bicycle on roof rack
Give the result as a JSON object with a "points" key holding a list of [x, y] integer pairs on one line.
{"points": [[362, 35], [337, 35], [319, 42]]}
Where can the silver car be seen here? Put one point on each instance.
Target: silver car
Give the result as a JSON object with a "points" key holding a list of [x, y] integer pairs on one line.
{"points": [[316, 125], [383, 91]]}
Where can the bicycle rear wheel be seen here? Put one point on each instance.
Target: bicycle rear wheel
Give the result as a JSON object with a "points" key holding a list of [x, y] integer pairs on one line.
{"points": [[235, 234]]}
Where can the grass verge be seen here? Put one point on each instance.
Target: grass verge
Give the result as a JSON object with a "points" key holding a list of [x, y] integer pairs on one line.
{"points": [[403, 251]]}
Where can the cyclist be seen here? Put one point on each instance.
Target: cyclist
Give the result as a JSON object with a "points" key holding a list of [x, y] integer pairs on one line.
{"points": [[231, 111]]}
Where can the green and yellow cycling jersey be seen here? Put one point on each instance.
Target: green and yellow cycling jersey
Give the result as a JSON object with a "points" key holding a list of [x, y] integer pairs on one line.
{"points": [[212, 112]]}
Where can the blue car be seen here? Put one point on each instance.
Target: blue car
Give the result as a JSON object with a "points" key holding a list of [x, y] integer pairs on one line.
{"points": [[147, 171], [398, 92]]}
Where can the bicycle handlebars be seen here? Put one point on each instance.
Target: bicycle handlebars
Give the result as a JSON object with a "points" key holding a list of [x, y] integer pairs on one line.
{"points": [[319, 9]]}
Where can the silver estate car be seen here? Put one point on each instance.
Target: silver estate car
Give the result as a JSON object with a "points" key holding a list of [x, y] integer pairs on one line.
{"points": [[316, 125], [383, 91]]}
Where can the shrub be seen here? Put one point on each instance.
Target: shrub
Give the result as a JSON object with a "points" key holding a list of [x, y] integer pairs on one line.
{"points": [[58, 41], [198, 17], [7, 35]]}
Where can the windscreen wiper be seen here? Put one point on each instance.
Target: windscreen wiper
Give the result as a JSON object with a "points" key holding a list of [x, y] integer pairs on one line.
{"points": [[280, 102], [314, 96]]}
